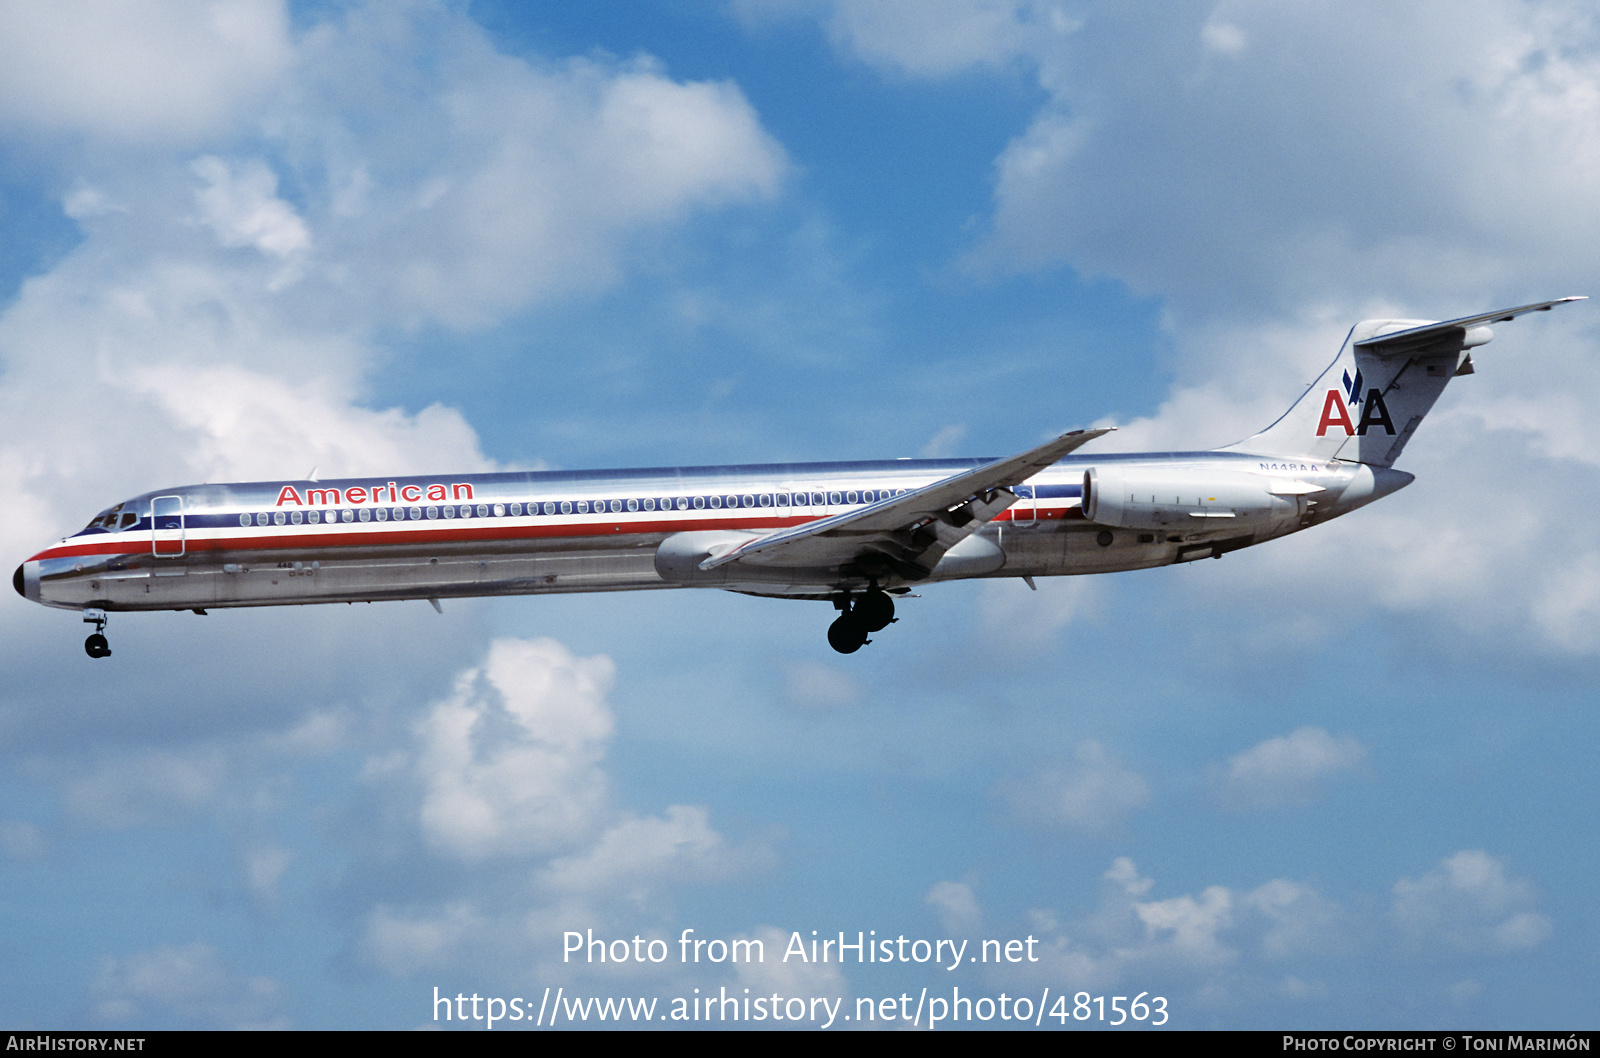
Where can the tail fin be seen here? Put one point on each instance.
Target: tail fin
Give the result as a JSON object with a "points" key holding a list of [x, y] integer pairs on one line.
{"points": [[1366, 405]]}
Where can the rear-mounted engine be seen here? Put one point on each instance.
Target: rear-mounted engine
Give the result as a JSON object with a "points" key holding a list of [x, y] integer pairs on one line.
{"points": [[1166, 497]]}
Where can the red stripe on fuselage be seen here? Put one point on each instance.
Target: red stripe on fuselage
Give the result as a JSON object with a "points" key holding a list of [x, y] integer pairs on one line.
{"points": [[310, 538]]}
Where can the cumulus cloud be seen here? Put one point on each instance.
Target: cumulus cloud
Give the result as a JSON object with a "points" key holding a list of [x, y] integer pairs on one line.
{"points": [[138, 788], [242, 248], [21, 840], [1091, 794], [1220, 938], [511, 762], [1289, 769], [815, 686], [637, 855], [790, 978], [183, 987], [957, 907], [171, 70], [241, 205], [1470, 903], [509, 780], [1267, 221], [1015, 620]]}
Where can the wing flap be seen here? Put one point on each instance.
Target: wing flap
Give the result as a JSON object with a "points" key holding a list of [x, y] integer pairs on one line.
{"points": [[907, 534]]}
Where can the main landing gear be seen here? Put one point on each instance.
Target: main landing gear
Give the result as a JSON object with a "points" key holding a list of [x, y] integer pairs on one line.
{"points": [[859, 617], [96, 646]]}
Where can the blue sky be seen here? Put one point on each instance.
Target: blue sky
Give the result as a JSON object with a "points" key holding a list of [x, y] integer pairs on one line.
{"points": [[1342, 780]]}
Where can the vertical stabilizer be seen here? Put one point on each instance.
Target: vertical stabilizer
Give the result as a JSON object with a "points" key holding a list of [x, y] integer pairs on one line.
{"points": [[1366, 405]]}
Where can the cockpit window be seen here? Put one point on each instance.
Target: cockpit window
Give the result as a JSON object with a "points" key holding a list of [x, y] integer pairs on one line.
{"points": [[128, 518]]}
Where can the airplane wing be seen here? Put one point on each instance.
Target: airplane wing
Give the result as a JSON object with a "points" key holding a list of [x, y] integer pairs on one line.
{"points": [[1410, 340], [907, 534]]}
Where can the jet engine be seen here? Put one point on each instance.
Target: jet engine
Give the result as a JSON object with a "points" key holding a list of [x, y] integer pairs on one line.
{"points": [[1167, 497]]}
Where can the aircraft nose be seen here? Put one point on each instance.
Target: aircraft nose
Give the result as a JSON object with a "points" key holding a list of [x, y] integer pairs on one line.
{"points": [[17, 583]]}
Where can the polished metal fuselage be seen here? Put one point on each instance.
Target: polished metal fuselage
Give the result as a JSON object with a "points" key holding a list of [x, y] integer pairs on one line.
{"points": [[366, 540]]}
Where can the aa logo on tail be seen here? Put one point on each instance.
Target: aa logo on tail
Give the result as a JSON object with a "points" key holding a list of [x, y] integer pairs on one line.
{"points": [[1335, 413]]}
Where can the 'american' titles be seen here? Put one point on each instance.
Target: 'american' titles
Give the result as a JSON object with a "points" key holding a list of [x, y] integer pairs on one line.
{"points": [[358, 494]]}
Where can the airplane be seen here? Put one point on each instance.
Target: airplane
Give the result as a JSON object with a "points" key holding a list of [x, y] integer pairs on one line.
{"points": [[856, 534]]}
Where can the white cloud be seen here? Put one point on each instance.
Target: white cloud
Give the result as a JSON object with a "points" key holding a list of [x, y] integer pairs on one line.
{"points": [[21, 840], [511, 762], [1277, 173], [401, 944], [144, 787], [791, 978], [957, 907], [183, 987], [1470, 903], [218, 317], [637, 855], [241, 204], [1289, 769], [509, 780], [816, 686], [264, 867], [1016, 620], [1093, 793], [160, 69]]}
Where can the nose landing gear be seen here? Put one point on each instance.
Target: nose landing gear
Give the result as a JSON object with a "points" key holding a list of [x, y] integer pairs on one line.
{"points": [[96, 645], [867, 613]]}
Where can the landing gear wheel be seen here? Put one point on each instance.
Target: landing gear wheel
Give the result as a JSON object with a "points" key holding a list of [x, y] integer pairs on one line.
{"points": [[96, 646], [875, 611], [847, 635]]}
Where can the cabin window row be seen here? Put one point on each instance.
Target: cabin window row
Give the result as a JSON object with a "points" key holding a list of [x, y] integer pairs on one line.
{"points": [[555, 507]]}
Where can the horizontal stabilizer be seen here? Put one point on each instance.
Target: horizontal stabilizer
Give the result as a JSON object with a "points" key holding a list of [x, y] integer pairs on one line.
{"points": [[1413, 339]]}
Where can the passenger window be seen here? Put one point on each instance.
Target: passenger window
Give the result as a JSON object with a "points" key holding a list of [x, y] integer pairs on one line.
{"points": [[499, 510], [749, 501], [261, 519], [483, 510], [783, 499], [449, 511], [765, 499], [633, 505], [852, 496], [583, 506], [566, 506], [313, 517], [244, 519], [699, 503], [433, 512], [516, 510], [278, 518], [296, 517], [833, 497], [683, 503], [466, 510], [550, 508], [818, 499], [364, 514], [649, 503], [383, 514], [347, 516], [716, 502], [416, 513]]}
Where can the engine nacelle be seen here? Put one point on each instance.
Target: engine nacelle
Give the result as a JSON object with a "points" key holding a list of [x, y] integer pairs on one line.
{"points": [[1165, 497], [679, 556]]}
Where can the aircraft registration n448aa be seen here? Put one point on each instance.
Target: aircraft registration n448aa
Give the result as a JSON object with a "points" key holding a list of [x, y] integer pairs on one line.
{"points": [[855, 534]]}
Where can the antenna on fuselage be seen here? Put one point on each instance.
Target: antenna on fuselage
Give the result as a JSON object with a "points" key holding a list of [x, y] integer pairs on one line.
{"points": [[312, 476]]}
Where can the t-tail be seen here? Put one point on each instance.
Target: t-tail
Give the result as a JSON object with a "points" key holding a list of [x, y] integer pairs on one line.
{"points": [[1371, 399]]}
